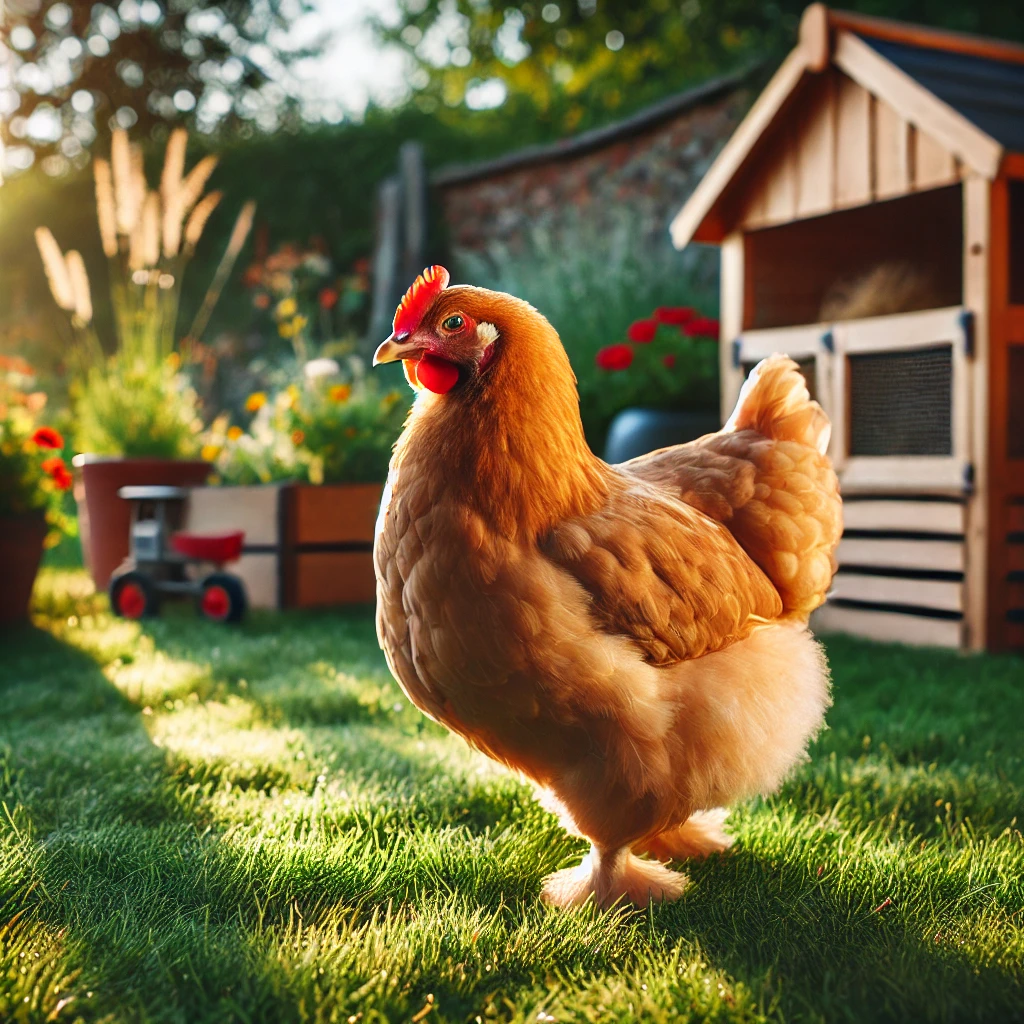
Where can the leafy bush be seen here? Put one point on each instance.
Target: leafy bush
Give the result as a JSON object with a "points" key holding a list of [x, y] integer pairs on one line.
{"points": [[592, 287], [138, 409]]}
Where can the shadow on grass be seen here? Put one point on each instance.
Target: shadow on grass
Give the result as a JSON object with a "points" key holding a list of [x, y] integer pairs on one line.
{"points": [[120, 851]]}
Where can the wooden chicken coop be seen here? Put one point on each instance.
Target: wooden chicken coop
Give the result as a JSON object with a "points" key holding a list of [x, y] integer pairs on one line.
{"points": [[870, 212]]}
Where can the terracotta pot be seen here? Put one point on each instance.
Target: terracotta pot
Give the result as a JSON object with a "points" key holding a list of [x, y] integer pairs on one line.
{"points": [[21, 549], [104, 518]]}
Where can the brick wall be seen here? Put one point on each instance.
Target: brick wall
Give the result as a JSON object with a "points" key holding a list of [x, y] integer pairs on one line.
{"points": [[643, 168]]}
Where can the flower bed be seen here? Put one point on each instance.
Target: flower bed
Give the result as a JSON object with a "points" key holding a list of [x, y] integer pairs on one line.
{"points": [[304, 482]]}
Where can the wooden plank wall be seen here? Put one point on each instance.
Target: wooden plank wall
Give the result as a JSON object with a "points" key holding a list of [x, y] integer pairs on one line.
{"points": [[901, 572], [842, 147]]}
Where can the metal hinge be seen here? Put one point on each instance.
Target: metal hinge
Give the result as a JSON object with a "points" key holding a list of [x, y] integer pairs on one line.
{"points": [[828, 341], [967, 326], [969, 478], [736, 346]]}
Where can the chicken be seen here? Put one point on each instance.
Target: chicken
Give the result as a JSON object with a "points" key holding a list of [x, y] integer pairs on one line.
{"points": [[633, 639]]}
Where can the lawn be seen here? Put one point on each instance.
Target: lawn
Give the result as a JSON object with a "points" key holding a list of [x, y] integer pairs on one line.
{"points": [[208, 824]]}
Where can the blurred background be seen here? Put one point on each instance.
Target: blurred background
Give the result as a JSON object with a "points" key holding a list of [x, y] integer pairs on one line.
{"points": [[537, 147]]}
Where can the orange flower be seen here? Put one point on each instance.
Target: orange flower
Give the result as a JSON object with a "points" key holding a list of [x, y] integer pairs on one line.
{"points": [[298, 437], [340, 392], [256, 401], [234, 433], [47, 437], [351, 431]]}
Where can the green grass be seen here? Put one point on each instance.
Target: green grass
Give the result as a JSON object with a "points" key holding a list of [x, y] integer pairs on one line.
{"points": [[205, 824]]}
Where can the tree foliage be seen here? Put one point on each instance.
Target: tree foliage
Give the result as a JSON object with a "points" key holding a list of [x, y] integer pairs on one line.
{"points": [[575, 63], [75, 70]]}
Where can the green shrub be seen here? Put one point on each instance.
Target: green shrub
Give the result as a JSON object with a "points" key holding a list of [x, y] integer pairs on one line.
{"points": [[137, 409]]}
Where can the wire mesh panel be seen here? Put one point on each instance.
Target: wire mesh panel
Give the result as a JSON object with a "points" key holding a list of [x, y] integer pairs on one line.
{"points": [[901, 403]]}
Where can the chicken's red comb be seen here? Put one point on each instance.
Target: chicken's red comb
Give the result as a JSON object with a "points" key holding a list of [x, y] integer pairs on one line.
{"points": [[418, 298]]}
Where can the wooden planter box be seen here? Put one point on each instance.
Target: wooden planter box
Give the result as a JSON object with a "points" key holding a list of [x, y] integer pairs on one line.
{"points": [[305, 546]]}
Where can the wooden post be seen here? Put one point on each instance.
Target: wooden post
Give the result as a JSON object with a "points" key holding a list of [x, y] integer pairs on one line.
{"points": [[386, 260], [731, 291], [976, 262], [413, 176]]}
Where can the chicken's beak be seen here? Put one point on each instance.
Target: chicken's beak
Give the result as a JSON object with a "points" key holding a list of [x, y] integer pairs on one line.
{"points": [[393, 349]]}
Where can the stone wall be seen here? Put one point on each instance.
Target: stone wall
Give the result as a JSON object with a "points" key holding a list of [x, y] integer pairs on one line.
{"points": [[643, 168]]}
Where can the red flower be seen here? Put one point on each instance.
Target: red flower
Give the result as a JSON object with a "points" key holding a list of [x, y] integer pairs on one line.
{"points": [[669, 360], [328, 298], [261, 300], [47, 437], [58, 472], [701, 327], [642, 331], [675, 315], [252, 276], [614, 357]]}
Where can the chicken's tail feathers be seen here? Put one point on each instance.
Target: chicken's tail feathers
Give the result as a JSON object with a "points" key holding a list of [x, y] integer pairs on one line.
{"points": [[775, 402]]}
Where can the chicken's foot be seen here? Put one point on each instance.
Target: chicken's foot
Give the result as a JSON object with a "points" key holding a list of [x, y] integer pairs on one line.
{"points": [[610, 876]]}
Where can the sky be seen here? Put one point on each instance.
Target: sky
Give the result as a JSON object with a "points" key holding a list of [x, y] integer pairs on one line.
{"points": [[354, 69]]}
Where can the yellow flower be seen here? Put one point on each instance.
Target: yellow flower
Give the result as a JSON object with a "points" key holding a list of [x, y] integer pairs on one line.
{"points": [[293, 392], [256, 401], [286, 308], [174, 361], [285, 329], [234, 433], [298, 437], [340, 392], [298, 323], [210, 452]]}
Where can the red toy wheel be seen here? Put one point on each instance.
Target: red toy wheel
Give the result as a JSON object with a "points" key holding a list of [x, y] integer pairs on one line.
{"points": [[132, 596], [222, 598], [215, 602]]}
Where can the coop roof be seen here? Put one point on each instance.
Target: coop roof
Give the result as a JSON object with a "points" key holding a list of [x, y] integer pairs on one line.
{"points": [[964, 92], [987, 91]]}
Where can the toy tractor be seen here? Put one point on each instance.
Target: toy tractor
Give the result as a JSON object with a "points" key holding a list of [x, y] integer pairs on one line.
{"points": [[161, 556]]}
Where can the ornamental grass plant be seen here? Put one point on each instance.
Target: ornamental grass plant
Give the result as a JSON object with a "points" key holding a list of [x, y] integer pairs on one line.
{"points": [[129, 394]]}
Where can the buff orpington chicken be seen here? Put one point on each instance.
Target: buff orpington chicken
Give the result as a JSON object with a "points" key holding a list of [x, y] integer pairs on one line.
{"points": [[632, 638]]}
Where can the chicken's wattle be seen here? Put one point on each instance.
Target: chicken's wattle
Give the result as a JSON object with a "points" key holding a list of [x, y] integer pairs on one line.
{"points": [[437, 374]]}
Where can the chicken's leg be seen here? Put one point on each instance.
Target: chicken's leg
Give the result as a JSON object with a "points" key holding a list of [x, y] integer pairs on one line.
{"points": [[610, 876]]}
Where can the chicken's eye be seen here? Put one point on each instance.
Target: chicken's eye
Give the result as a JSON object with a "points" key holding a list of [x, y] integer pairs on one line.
{"points": [[453, 323]]}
